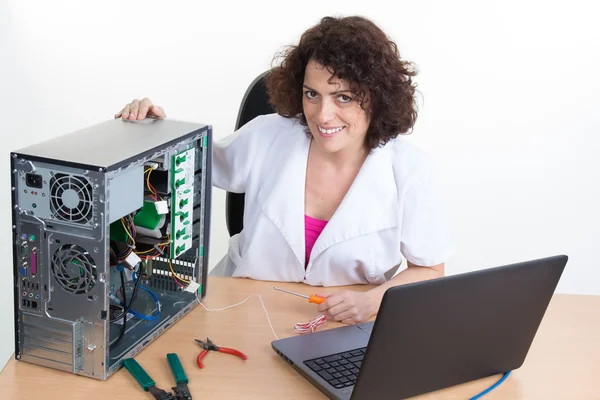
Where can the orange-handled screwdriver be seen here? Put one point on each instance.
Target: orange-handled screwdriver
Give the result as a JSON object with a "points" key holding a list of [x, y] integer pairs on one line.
{"points": [[311, 299]]}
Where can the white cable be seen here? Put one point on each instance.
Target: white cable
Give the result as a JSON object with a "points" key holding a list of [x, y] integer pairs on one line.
{"points": [[237, 304]]}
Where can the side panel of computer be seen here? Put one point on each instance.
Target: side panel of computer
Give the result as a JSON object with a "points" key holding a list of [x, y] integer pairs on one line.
{"points": [[83, 238]]}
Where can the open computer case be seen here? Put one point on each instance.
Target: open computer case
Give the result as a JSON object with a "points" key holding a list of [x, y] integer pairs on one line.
{"points": [[110, 240]]}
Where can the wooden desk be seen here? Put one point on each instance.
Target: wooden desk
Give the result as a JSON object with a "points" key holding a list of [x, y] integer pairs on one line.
{"points": [[563, 363]]}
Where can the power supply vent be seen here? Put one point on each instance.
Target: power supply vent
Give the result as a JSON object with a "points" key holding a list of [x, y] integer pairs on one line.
{"points": [[74, 269], [71, 198]]}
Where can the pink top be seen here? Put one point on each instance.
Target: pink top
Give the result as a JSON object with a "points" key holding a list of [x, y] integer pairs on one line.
{"points": [[312, 229]]}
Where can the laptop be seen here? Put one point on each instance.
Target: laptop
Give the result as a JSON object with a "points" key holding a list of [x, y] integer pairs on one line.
{"points": [[431, 335]]}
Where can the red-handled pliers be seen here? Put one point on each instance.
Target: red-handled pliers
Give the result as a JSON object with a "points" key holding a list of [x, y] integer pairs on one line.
{"points": [[209, 345]]}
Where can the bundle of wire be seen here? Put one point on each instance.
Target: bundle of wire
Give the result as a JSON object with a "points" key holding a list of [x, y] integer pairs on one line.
{"points": [[123, 315], [181, 282], [149, 185], [151, 293], [133, 297], [129, 227], [311, 325], [156, 250], [131, 232]]}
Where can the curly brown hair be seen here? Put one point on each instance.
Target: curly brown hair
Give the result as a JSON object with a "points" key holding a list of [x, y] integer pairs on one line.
{"points": [[356, 50]]}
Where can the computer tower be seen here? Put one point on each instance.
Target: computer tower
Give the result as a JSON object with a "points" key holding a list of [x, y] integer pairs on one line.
{"points": [[110, 230]]}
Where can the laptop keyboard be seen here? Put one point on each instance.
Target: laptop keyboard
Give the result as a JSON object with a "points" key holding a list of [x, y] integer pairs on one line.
{"points": [[339, 370]]}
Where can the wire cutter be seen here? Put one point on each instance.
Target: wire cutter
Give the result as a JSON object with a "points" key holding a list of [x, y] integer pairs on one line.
{"points": [[181, 390], [209, 345]]}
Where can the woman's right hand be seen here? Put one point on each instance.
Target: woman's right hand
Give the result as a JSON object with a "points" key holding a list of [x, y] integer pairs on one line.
{"points": [[140, 109]]}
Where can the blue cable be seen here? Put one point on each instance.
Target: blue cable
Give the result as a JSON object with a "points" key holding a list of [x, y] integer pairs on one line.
{"points": [[155, 297], [486, 391], [148, 317]]}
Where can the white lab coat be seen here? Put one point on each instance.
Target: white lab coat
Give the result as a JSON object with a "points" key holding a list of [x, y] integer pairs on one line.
{"points": [[391, 210]]}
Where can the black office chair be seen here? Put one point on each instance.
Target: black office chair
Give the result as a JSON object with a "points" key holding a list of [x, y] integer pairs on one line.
{"points": [[254, 103]]}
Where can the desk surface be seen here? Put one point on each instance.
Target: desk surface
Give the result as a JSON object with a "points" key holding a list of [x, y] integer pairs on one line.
{"points": [[562, 362]]}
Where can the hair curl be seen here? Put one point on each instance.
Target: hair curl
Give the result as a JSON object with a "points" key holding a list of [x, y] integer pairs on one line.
{"points": [[353, 49]]}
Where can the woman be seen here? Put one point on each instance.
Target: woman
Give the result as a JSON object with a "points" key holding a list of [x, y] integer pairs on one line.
{"points": [[334, 195]]}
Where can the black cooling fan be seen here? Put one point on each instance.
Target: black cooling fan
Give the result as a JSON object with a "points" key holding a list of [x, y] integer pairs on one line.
{"points": [[74, 268]]}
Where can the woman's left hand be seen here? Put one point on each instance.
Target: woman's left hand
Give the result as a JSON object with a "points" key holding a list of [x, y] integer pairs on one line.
{"points": [[348, 307]]}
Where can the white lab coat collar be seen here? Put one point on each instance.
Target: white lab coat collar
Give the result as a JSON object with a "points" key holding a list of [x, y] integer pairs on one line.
{"points": [[282, 200]]}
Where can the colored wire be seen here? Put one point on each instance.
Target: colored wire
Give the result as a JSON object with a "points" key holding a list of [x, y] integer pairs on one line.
{"points": [[126, 254], [154, 249], [310, 326], [132, 225], [177, 280], [145, 251], [179, 283], [175, 275], [486, 391], [127, 231], [130, 230], [152, 253], [237, 304], [154, 297], [133, 298], [150, 187]]}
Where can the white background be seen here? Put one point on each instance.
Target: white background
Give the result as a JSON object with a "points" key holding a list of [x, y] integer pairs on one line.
{"points": [[508, 112]]}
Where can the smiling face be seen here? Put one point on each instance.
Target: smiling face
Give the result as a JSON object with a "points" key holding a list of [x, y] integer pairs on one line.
{"points": [[336, 120]]}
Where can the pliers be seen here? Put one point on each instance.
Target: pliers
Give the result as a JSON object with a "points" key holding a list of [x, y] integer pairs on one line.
{"points": [[209, 345], [181, 390]]}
